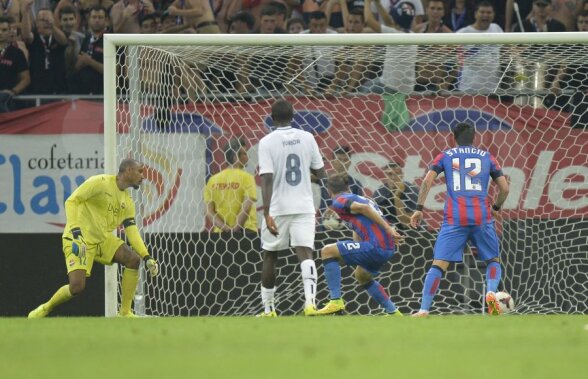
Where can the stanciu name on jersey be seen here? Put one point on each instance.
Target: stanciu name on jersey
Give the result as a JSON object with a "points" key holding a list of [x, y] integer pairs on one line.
{"points": [[466, 150], [291, 142]]}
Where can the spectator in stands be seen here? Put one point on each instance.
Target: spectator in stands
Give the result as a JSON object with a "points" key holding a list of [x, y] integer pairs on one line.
{"points": [[540, 19], [398, 73], [282, 14], [566, 12], [351, 21], [68, 22], [432, 76], [85, 6], [15, 38], [148, 23], [397, 198], [574, 77], [196, 13], [510, 15], [166, 22], [57, 12], [295, 25], [269, 20], [14, 9], [14, 69], [319, 77], [582, 20], [167, 25], [125, 15], [46, 45], [389, 5], [226, 13], [480, 72], [241, 23], [351, 72], [255, 7], [231, 194], [434, 23], [460, 14], [89, 67]]}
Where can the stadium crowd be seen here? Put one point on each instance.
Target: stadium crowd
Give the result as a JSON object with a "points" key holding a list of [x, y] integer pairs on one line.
{"points": [[50, 47]]}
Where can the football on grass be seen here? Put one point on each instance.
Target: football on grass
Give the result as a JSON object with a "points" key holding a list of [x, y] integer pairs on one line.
{"points": [[505, 301]]}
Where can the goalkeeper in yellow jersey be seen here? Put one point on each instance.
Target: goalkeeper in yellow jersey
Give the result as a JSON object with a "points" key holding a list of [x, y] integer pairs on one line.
{"points": [[94, 210]]}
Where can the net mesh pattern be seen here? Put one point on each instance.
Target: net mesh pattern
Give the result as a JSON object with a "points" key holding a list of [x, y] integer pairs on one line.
{"points": [[178, 107]]}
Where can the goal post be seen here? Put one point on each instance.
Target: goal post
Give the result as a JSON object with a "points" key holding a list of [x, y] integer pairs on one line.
{"points": [[174, 101]]}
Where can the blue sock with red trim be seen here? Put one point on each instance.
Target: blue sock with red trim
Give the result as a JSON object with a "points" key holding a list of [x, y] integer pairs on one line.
{"points": [[375, 289], [431, 286], [493, 275], [333, 275]]}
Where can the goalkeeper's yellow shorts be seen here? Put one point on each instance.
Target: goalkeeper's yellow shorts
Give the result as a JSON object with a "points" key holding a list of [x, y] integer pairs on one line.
{"points": [[101, 253]]}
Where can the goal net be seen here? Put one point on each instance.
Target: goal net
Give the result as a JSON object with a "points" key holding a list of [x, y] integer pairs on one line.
{"points": [[374, 102]]}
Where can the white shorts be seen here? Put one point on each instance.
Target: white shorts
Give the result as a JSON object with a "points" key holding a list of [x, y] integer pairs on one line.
{"points": [[294, 230]]}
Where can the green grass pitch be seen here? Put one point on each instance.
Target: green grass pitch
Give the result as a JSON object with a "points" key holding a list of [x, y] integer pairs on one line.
{"points": [[554, 347]]}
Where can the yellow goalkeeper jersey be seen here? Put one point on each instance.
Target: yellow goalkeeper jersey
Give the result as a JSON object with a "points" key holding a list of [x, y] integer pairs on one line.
{"points": [[98, 207], [228, 189]]}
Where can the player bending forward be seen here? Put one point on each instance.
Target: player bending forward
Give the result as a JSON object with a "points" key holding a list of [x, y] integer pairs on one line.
{"points": [[372, 246], [467, 215], [93, 211]]}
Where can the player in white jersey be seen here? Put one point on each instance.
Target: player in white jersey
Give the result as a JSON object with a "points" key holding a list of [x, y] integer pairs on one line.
{"points": [[287, 156]]}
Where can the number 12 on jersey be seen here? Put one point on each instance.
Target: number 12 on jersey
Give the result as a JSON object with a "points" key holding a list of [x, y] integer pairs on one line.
{"points": [[464, 175]]}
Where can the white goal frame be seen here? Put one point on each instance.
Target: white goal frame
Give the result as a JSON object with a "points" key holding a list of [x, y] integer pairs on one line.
{"points": [[112, 41]]}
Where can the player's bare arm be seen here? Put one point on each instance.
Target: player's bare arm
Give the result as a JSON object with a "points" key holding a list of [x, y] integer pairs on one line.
{"points": [[401, 210], [503, 189], [417, 216], [244, 213], [267, 185], [368, 211], [216, 219]]}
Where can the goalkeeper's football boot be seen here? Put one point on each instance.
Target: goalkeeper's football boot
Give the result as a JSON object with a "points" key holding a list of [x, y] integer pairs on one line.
{"points": [[127, 315], [39, 312], [493, 305], [336, 306], [310, 310], [421, 313], [270, 314]]}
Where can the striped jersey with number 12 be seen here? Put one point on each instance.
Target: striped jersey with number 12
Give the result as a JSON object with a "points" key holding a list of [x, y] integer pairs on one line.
{"points": [[467, 174], [289, 154]]}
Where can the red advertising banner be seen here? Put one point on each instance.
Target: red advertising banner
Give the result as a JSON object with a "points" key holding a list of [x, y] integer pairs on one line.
{"points": [[546, 161]]}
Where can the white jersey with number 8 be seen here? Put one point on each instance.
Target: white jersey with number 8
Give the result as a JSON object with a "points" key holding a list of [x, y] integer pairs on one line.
{"points": [[289, 154]]}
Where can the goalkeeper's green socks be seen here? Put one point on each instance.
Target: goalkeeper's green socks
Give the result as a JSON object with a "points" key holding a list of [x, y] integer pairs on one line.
{"points": [[130, 278], [59, 297]]}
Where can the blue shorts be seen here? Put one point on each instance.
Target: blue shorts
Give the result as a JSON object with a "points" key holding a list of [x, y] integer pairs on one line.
{"points": [[452, 240], [364, 254]]}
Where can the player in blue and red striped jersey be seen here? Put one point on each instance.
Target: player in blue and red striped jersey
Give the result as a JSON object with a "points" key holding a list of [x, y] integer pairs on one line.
{"points": [[372, 246], [467, 215]]}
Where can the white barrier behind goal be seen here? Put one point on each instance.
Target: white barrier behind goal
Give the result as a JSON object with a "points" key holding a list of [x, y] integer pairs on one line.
{"points": [[173, 102]]}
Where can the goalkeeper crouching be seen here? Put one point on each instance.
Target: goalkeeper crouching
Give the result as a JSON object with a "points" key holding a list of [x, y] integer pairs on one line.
{"points": [[94, 210]]}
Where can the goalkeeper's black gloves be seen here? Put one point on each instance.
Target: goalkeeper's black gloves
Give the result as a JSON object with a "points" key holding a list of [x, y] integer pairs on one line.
{"points": [[151, 265], [78, 245]]}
